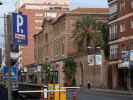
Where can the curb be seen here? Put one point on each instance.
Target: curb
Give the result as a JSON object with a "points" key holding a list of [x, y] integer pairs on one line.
{"points": [[120, 92]]}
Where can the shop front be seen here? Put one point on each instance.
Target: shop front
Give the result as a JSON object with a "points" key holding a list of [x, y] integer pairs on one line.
{"points": [[125, 75]]}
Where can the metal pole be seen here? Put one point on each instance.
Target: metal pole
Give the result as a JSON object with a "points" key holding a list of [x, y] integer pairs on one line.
{"points": [[8, 49]]}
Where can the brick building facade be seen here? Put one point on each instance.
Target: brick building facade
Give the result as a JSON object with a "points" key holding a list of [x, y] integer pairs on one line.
{"points": [[36, 12], [121, 43], [55, 42]]}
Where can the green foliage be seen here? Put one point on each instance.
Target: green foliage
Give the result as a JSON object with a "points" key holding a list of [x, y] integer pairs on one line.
{"points": [[74, 83], [86, 34], [104, 40], [47, 69], [70, 68]]}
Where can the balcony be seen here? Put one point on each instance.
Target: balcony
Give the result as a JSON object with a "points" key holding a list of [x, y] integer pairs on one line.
{"points": [[113, 16], [113, 38], [114, 57]]}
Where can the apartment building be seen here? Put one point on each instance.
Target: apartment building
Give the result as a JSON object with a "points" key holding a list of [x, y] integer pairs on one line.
{"points": [[121, 43], [54, 43]]}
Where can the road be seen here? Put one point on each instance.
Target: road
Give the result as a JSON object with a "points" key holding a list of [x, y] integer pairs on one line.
{"points": [[92, 95]]}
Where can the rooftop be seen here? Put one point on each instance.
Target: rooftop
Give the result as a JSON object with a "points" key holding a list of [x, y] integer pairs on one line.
{"points": [[91, 10]]}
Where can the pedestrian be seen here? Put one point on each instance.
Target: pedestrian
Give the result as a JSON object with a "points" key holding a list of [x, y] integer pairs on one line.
{"points": [[88, 85]]}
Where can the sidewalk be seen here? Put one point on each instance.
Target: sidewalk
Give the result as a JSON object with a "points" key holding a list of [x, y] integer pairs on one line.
{"points": [[120, 92]]}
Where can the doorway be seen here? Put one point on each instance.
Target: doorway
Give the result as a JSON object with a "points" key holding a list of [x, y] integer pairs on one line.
{"points": [[110, 77], [123, 79]]}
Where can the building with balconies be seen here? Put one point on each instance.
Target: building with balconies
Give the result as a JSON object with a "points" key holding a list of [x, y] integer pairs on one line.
{"points": [[121, 43]]}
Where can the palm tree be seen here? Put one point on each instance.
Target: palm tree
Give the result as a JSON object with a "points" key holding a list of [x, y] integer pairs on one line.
{"points": [[86, 34], [89, 32], [104, 40]]}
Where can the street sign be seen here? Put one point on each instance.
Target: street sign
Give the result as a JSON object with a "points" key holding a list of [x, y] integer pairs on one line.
{"points": [[98, 59], [131, 55], [14, 72], [20, 29], [125, 56], [5, 72]]}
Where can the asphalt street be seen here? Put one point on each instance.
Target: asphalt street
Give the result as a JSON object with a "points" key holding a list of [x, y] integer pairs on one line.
{"points": [[92, 95]]}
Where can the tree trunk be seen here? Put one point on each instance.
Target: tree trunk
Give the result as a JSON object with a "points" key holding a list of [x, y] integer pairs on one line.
{"points": [[104, 71]]}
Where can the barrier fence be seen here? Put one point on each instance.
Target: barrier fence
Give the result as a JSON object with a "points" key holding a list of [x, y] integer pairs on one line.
{"points": [[55, 92]]}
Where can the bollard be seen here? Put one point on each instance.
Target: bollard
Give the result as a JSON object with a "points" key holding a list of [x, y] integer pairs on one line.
{"points": [[74, 94], [42, 96]]}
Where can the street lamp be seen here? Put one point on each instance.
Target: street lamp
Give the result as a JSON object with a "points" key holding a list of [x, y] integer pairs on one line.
{"points": [[1, 3]]}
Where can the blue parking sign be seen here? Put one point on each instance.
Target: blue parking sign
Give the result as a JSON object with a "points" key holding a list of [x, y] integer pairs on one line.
{"points": [[14, 72], [20, 29], [5, 72]]}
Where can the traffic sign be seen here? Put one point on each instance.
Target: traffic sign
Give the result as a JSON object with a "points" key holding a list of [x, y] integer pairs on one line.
{"points": [[5, 72], [125, 56], [20, 29], [14, 72]]}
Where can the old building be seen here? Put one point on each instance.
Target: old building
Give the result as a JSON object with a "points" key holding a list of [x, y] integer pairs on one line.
{"points": [[55, 42], [121, 43], [36, 12]]}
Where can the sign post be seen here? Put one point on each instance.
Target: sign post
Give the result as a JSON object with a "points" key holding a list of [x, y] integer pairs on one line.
{"points": [[20, 29], [16, 27]]}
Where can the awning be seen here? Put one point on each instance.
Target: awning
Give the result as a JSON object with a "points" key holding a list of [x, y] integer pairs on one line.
{"points": [[123, 65], [126, 64]]}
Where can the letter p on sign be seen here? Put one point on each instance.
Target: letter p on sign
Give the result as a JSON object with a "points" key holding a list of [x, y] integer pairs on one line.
{"points": [[20, 22], [20, 29]]}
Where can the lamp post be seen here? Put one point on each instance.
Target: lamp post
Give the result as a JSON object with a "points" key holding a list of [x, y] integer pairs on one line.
{"points": [[1, 3], [8, 63]]}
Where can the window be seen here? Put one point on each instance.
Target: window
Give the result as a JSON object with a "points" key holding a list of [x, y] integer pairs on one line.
{"points": [[113, 31], [51, 14], [38, 14], [122, 27], [113, 51], [132, 4], [38, 28], [38, 21], [113, 9], [131, 23], [122, 4]]}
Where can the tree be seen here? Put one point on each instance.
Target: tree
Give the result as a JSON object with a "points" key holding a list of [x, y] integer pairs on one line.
{"points": [[86, 33], [47, 70], [69, 69], [104, 40]]}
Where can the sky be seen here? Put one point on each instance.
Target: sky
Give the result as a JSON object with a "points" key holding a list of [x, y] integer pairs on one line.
{"points": [[88, 3], [9, 6]]}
